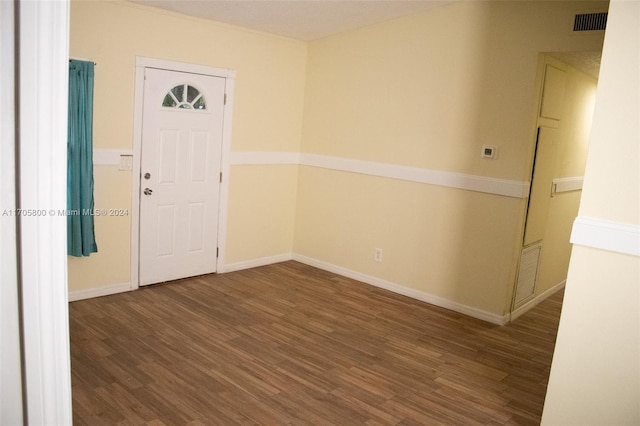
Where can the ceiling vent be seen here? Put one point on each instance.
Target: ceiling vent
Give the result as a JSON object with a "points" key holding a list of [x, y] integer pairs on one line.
{"points": [[590, 22]]}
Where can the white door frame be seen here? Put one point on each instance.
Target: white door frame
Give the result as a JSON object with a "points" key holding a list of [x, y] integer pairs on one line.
{"points": [[37, 266], [229, 76]]}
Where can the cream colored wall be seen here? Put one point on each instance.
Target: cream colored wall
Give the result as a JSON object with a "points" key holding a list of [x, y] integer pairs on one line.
{"points": [[402, 84], [110, 266], [569, 160], [438, 85], [267, 117], [264, 200], [422, 229], [428, 91], [595, 375]]}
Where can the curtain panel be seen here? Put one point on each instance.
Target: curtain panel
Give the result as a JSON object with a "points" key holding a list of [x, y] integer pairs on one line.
{"points": [[81, 239]]}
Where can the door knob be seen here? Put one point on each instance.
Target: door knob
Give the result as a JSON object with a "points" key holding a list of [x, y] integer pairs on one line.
{"points": [[148, 191]]}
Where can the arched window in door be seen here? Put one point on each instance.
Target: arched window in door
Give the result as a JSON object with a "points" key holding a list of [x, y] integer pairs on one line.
{"points": [[184, 96]]}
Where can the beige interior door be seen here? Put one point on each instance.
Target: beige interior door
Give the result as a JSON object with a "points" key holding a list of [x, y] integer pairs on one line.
{"points": [[541, 185], [180, 174], [549, 115]]}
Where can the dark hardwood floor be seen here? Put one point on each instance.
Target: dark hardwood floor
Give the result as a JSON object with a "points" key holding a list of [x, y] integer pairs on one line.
{"points": [[288, 344]]}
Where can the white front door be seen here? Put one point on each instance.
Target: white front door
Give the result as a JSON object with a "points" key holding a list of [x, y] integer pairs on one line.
{"points": [[180, 174]]}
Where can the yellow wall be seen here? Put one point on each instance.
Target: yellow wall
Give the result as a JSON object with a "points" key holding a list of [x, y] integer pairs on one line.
{"points": [[267, 117], [423, 230], [428, 91], [264, 206], [595, 375], [396, 92], [110, 266]]}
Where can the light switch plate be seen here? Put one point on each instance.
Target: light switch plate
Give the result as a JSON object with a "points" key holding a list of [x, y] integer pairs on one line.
{"points": [[126, 163]]}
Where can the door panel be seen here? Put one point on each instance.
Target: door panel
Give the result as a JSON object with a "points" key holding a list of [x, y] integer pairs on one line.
{"points": [[196, 226], [542, 180], [180, 169], [553, 93]]}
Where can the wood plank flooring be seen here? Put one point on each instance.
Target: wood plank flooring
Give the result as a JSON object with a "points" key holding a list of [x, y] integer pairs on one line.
{"points": [[288, 344]]}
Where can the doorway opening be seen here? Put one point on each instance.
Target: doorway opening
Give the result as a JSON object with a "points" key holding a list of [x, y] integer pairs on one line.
{"points": [[564, 111]]}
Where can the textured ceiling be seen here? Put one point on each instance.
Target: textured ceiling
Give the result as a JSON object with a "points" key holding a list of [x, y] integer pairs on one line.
{"points": [[300, 19], [587, 62]]}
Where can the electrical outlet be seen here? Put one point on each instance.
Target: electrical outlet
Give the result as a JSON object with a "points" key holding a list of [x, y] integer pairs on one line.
{"points": [[490, 151], [377, 255]]}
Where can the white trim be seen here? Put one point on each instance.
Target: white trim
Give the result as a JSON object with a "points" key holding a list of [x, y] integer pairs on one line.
{"points": [[99, 291], [405, 291], [606, 235], [505, 187], [256, 158], [367, 279], [225, 169], [567, 184], [138, 96], [229, 76], [165, 64], [109, 157], [509, 188], [44, 71], [75, 58], [537, 300], [11, 408], [254, 263]]}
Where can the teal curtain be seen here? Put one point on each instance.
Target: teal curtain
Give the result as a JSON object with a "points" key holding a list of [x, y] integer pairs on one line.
{"points": [[81, 239]]}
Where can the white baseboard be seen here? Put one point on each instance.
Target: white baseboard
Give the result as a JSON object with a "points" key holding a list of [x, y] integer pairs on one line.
{"points": [[122, 287], [254, 263], [537, 300], [98, 291], [367, 279], [405, 291]]}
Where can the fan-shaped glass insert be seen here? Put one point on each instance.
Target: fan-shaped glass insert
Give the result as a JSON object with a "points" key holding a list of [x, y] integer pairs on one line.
{"points": [[184, 96]]}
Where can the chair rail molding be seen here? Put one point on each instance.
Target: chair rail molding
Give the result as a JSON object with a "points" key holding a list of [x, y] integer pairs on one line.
{"points": [[489, 185], [606, 235]]}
